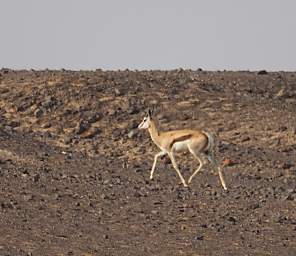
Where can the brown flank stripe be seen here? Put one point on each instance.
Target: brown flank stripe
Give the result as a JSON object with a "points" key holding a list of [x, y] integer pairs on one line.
{"points": [[182, 138]]}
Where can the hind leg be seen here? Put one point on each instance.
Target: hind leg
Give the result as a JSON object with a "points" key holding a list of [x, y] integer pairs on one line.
{"points": [[218, 168], [199, 167]]}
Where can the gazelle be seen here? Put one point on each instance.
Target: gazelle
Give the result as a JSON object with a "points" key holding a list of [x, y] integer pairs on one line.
{"points": [[197, 142]]}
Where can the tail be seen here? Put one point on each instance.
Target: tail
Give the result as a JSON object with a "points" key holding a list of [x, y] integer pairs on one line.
{"points": [[210, 155], [211, 142]]}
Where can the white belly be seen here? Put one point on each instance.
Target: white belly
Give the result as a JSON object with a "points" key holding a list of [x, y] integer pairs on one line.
{"points": [[180, 146]]}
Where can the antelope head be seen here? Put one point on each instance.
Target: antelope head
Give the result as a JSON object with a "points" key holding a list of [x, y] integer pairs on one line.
{"points": [[145, 124]]}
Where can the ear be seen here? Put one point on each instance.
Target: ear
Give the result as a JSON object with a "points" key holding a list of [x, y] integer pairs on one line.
{"points": [[149, 113]]}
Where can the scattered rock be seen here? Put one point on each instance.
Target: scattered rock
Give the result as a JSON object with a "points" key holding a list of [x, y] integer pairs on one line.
{"points": [[67, 139], [262, 72], [245, 138], [28, 197], [36, 178], [283, 128], [48, 102], [289, 197], [199, 238], [46, 125], [232, 219], [90, 133], [183, 227], [94, 118], [92, 81], [133, 124], [229, 162], [133, 110], [280, 93], [38, 112], [81, 127], [132, 134], [56, 196], [154, 212], [118, 92], [112, 112], [287, 165]]}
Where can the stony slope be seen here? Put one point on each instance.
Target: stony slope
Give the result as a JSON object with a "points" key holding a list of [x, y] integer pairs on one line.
{"points": [[74, 169]]}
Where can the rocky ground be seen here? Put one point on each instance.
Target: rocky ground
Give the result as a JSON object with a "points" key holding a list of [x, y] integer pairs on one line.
{"points": [[74, 168]]}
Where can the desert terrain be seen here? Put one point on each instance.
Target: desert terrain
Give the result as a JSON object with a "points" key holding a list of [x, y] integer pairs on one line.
{"points": [[74, 168]]}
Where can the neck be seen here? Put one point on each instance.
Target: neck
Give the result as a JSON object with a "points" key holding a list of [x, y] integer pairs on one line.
{"points": [[154, 133]]}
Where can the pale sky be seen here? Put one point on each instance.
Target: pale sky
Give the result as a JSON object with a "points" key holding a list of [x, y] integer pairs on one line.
{"points": [[148, 34]]}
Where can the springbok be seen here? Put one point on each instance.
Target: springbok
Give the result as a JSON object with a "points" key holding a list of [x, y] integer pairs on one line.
{"points": [[197, 142]]}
